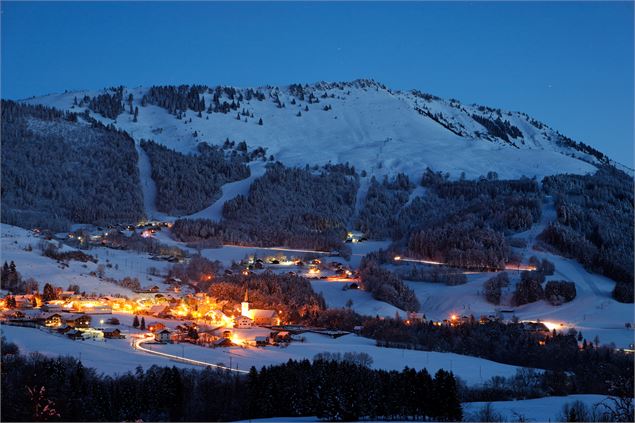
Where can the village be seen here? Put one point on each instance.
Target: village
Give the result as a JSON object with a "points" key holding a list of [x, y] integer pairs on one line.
{"points": [[173, 312]]}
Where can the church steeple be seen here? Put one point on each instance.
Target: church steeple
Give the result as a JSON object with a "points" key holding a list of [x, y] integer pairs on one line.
{"points": [[244, 306]]}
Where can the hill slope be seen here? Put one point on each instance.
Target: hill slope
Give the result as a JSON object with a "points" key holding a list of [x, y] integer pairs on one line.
{"points": [[366, 124]]}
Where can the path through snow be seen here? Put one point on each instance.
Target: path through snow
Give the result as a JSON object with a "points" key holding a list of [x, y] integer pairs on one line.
{"points": [[230, 191]]}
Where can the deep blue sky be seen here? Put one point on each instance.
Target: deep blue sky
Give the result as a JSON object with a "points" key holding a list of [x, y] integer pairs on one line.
{"points": [[568, 64]]}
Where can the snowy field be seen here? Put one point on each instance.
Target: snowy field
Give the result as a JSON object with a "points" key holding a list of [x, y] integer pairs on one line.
{"points": [[471, 369], [534, 410], [593, 311], [545, 409], [363, 302], [32, 264], [113, 356], [117, 356]]}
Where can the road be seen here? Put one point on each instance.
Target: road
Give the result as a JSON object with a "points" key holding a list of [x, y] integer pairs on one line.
{"points": [[276, 249], [137, 344], [516, 267]]}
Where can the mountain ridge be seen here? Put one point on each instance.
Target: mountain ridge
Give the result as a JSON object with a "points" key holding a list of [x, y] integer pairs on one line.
{"points": [[363, 122]]}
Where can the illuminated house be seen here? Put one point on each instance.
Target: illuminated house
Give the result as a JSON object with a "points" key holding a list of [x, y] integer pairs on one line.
{"points": [[77, 320], [243, 322], [258, 316]]}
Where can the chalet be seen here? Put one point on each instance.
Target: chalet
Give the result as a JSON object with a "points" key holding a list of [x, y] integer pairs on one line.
{"points": [[160, 311], [113, 333], [52, 306], [155, 326], [535, 327], [97, 309], [74, 334], [282, 336], [227, 334], [13, 314], [264, 317], [262, 341], [24, 301], [77, 320], [416, 317], [222, 342], [206, 338], [94, 334], [243, 322], [63, 329], [50, 319], [163, 336]]}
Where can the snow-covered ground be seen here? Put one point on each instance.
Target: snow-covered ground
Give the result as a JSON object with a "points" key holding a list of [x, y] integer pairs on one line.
{"points": [[593, 311], [148, 187], [118, 264], [372, 128], [230, 191], [363, 302], [112, 356], [547, 409], [117, 356], [471, 369], [534, 410]]}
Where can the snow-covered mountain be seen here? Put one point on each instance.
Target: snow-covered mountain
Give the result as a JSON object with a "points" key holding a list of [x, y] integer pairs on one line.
{"points": [[360, 122]]}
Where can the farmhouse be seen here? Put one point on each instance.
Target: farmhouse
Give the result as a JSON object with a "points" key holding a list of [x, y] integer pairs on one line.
{"points": [[113, 333], [264, 317], [163, 336], [50, 319], [77, 320], [243, 322], [155, 326]]}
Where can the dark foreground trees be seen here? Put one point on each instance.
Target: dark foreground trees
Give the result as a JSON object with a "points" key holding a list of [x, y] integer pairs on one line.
{"points": [[62, 389]]}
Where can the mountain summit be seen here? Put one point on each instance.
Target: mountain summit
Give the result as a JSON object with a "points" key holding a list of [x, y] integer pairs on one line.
{"points": [[362, 122]]}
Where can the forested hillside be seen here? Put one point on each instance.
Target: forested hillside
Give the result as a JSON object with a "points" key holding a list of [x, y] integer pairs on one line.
{"points": [[287, 206], [595, 224], [189, 183], [462, 222], [59, 168]]}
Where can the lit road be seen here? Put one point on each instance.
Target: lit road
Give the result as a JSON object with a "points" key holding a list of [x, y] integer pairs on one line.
{"points": [[517, 267], [276, 249], [137, 344]]}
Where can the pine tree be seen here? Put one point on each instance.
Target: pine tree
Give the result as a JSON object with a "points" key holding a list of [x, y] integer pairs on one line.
{"points": [[260, 121], [143, 323], [11, 301], [136, 113], [135, 322], [48, 293]]}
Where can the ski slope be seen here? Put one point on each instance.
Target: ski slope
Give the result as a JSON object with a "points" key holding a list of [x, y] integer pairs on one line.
{"points": [[230, 191], [371, 127]]}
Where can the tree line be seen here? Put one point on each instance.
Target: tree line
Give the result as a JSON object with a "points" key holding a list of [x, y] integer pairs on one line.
{"points": [[62, 389]]}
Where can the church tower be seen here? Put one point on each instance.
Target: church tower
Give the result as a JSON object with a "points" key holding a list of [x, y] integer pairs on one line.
{"points": [[244, 306]]}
